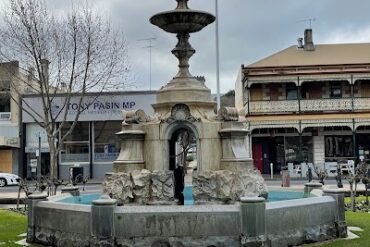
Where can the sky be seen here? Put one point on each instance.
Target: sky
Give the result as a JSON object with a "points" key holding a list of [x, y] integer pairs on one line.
{"points": [[249, 30]]}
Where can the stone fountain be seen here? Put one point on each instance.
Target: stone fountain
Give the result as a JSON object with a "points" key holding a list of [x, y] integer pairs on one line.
{"points": [[148, 171], [148, 167]]}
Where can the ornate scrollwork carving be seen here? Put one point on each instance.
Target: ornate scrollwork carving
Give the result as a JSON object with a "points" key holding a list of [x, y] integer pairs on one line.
{"points": [[181, 112], [228, 114], [134, 117]]}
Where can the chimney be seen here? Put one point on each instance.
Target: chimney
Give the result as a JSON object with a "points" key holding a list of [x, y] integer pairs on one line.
{"points": [[45, 69], [300, 43], [31, 73], [308, 40]]}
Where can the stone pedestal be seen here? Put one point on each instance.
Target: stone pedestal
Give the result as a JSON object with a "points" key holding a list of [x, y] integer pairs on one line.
{"points": [[72, 190], [340, 218], [33, 199], [253, 226], [235, 153], [131, 156], [102, 222], [308, 187]]}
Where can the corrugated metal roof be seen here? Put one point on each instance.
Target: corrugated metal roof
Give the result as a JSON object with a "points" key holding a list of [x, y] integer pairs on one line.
{"points": [[326, 54]]}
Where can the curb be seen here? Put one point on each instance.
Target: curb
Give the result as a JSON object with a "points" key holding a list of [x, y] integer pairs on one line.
{"points": [[12, 201]]}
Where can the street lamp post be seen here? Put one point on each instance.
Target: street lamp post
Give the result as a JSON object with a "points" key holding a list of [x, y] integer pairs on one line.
{"points": [[217, 59], [150, 46], [39, 160]]}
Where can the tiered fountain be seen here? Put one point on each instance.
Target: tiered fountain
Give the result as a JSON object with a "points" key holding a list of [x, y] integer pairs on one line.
{"points": [[148, 173], [147, 161]]}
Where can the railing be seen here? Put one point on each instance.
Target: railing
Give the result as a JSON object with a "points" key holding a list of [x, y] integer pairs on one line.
{"points": [[274, 106], [5, 116], [361, 103], [311, 105], [326, 105]]}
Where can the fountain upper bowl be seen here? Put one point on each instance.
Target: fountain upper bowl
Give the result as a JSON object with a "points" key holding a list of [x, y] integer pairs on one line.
{"points": [[182, 21]]}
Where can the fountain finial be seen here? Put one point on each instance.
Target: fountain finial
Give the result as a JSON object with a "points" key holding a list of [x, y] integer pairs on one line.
{"points": [[182, 4]]}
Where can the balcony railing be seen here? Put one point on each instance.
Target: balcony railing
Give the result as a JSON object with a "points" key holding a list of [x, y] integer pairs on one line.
{"points": [[274, 106], [361, 104], [309, 105], [326, 105]]}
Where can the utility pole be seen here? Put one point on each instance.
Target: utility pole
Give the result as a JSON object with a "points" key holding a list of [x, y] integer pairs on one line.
{"points": [[150, 46], [38, 154], [217, 59]]}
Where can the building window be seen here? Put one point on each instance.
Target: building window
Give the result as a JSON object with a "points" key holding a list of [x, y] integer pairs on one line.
{"points": [[4, 86], [76, 145], [294, 153], [4, 102], [336, 90], [291, 92], [106, 142], [338, 146]]}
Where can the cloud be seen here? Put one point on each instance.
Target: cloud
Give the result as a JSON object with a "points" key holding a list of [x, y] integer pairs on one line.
{"points": [[249, 31], [347, 35]]}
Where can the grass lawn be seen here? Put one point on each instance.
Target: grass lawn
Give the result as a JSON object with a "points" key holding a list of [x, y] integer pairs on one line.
{"points": [[11, 225], [358, 199], [361, 220]]}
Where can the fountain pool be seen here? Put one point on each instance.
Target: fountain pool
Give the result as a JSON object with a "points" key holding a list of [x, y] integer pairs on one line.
{"points": [[274, 196]]}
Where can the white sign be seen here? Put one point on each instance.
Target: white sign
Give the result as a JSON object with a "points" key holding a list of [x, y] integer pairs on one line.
{"points": [[107, 106], [33, 163]]}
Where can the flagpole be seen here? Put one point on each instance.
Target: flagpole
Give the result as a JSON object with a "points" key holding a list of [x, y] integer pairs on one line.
{"points": [[217, 59]]}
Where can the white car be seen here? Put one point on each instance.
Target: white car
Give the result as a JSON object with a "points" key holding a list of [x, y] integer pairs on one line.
{"points": [[8, 179]]}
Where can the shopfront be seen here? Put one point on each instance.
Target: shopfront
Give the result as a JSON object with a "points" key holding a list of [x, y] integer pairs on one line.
{"points": [[280, 147], [93, 145]]}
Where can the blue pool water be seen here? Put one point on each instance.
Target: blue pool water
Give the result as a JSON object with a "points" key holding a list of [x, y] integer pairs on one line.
{"points": [[188, 197], [82, 199], [275, 196]]}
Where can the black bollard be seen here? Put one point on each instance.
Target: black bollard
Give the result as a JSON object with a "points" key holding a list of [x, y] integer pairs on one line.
{"points": [[309, 174], [339, 177]]}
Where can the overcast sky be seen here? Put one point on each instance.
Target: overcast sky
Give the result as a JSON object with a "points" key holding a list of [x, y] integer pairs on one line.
{"points": [[249, 31]]}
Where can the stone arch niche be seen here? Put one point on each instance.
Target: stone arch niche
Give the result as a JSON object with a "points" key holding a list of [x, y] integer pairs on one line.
{"points": [[177, 129], [180, 120]]}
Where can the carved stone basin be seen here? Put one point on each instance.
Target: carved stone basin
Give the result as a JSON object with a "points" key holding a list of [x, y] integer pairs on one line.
{"points": [[182, 20]]}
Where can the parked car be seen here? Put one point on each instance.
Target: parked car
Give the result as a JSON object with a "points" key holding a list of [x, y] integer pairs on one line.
{"points": [[8, 179]]}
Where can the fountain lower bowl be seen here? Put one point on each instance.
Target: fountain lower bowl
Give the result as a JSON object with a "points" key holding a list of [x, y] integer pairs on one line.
{"points": [[182, 21]]}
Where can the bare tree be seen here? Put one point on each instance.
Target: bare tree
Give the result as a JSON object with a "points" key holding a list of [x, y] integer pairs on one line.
{"points": [[70, 54]]}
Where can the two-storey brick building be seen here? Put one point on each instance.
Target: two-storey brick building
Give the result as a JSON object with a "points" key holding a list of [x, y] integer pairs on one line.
{"points": [[12, 83], [308, 103]]}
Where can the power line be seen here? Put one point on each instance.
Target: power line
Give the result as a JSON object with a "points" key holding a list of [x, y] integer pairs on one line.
{"points": [[150, 46]]}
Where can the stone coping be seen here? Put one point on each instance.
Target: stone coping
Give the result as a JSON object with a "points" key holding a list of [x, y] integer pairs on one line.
{"points": [[64, 206], [178, 209], [300, 202], [131, 132], [37, 195], [313, 184], [334, 190], [104, 201], [69, 188], [252, 199]]}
